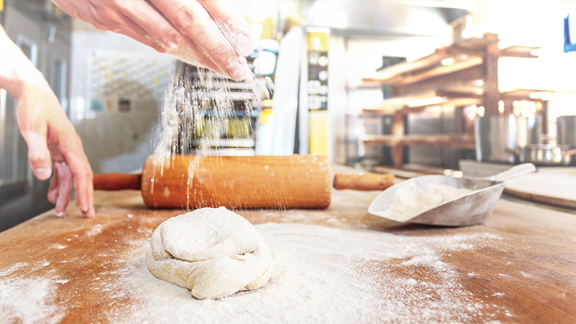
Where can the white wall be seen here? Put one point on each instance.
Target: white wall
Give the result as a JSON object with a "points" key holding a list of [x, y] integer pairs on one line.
{"points": [[115, 141], [377, 16], [534, 23]]}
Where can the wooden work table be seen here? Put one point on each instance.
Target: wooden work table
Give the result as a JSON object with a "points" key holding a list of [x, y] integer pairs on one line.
{"points": [[532, 265]]}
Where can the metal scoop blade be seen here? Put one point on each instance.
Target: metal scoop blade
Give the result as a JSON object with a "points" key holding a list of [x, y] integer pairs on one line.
{"points": [[470, 209]]}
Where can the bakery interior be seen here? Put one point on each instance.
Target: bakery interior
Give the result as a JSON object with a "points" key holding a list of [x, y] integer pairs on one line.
{"points": [[405, 89]]}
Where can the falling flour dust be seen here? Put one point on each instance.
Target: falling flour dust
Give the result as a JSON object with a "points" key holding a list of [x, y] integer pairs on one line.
{"points": [[410, 200], [200, 109]]}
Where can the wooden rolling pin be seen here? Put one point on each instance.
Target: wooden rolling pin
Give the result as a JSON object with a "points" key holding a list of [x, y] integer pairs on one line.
{"points": [[297, 181]]}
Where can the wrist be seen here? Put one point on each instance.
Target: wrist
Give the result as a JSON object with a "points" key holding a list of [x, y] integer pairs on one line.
{"points": [[17, 71], [28, 81]]}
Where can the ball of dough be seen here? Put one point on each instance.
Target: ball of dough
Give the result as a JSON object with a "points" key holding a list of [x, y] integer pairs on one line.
{"points": [[211, 251]]}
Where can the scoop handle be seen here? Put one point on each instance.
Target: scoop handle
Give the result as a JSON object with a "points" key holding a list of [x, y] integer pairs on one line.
{"points": [[514, 172]]}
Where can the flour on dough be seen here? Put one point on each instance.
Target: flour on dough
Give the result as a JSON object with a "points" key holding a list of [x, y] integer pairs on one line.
{"points": [[211, 251]]}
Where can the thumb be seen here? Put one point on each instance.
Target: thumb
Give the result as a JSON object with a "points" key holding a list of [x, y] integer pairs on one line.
{"points": [[38, 155]]}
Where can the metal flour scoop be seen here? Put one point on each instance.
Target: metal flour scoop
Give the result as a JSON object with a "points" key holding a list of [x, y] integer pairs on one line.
{"points": [[472, 208]]}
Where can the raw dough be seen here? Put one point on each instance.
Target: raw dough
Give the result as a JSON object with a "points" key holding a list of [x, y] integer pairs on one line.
{"points": [[211, 251]]}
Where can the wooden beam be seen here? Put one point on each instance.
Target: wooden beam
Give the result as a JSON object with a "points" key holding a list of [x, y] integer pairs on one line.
{"points": [[464, 76], [474, 47], [397, 155], [491, 92], [458, 94], [410, 104], [398, 124], [394, 104], [398, 70], [457, 102], [440, 71], [524, 94], [518, 51], [464, 141]]}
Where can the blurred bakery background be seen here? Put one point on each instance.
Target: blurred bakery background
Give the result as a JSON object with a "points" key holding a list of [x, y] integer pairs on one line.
{"points": [[433, 86]]}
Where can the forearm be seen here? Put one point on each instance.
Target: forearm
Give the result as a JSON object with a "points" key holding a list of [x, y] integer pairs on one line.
{"points": [[16, 70]]}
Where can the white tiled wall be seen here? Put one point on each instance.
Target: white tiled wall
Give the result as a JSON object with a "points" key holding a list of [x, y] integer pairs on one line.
{"points": [[106, 67]]}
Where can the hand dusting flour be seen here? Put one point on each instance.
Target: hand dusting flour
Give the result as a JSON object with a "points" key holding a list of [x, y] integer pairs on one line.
{"points": [[410, 200]]}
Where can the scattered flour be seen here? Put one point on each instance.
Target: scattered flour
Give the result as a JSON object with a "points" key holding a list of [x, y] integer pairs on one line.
{"points": [[410, 200], [12, 269], [325, 275], [27, 301], [321, 275], [95, 230]]}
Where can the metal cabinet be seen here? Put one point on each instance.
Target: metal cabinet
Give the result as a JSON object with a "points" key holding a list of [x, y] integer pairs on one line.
{"points": [[45, 39], [27, 34]]}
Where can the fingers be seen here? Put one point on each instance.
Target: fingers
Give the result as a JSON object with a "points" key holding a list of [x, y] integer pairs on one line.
{"points": [[192, 54], [128, 28], [65, 185], [38, 155], [153, 23], [182, 28], [82, 175], [233, 26], [71, 170], [53, 189], [165, 35], [61, 189], [44, 126], [192, 20], [66, 148], [33, 129]]}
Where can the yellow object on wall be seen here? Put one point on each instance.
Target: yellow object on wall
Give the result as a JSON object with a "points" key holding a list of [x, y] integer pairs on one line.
{"points": [[1, 5], [266, 117], [319, 132], [318, 41], [268, 28]]}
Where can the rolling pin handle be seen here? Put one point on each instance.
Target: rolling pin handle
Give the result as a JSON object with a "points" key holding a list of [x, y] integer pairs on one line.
{"points": [[117, 181], [363, 182]]}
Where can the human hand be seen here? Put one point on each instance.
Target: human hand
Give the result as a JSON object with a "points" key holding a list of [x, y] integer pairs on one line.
{"points": [[55, 148], [53, 145], [198, 32]]}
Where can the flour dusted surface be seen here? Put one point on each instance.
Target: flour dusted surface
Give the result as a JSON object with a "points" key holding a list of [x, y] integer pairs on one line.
{"points": [[325, 275], [25, 300]]}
